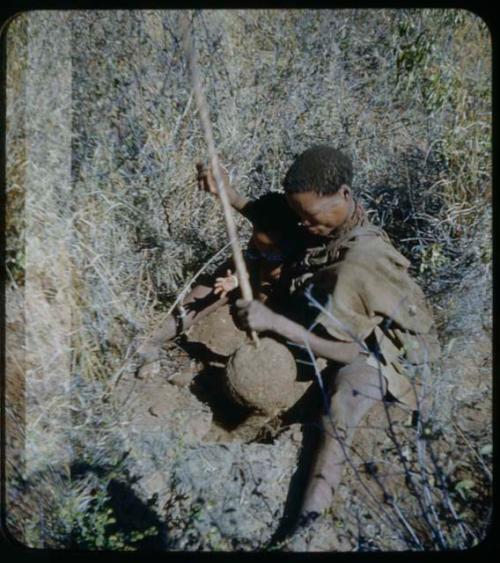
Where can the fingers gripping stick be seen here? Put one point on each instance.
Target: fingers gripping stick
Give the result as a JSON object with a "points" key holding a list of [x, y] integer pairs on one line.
{"points": [[246, 290]]}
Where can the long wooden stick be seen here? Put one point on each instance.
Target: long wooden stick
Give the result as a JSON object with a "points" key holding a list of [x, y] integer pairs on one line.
{"points": [[239, 262]]}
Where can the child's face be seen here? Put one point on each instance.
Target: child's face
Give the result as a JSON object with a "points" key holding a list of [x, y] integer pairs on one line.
{"points": [[322, 214], [267, 245], [270, 250]]}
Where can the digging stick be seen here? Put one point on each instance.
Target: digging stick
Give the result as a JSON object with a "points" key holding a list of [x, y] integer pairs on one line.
{"points": [[201, 103]]}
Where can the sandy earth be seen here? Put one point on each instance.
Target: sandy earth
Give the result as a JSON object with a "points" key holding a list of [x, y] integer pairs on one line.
{"points": [[219, 479], [221, 486]]}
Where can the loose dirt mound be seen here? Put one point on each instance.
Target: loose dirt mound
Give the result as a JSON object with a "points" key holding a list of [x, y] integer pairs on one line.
{"points": [[218, 332]]}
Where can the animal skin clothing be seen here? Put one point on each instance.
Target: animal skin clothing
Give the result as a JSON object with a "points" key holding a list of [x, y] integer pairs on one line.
{"points": [[360, 289]]}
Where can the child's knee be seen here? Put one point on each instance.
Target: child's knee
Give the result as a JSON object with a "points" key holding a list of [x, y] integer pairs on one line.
{"points": [[360, 380], [355, 392]]}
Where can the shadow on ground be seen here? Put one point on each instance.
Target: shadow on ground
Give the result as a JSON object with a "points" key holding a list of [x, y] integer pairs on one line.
{"points": [[131, 513]]}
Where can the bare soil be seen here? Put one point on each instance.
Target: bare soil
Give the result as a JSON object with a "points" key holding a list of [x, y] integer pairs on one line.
{"points": [[244, 472]]}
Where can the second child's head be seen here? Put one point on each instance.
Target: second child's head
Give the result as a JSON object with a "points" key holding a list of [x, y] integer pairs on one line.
{"points": [[318, 189], [274, 236]]}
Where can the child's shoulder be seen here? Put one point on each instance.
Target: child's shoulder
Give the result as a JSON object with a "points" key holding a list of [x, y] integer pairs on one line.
{"points": [[371, 244]]}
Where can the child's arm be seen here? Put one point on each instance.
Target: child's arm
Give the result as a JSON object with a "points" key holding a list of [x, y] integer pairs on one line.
{"points": [[258, 317], [206, 182]]}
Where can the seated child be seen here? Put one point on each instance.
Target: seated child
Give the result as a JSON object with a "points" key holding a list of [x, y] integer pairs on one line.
{"points": [[274, 241]]}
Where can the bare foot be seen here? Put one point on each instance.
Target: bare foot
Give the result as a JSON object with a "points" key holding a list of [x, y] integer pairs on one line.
{"points": [[318, 496]]}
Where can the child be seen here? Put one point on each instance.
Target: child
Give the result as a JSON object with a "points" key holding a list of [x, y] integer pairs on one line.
{"points": [[373, 323], [274, 241]]}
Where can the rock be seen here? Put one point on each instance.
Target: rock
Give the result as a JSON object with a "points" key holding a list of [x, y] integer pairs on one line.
{"points": [[297, 434], [149, 371], [182, 378]]}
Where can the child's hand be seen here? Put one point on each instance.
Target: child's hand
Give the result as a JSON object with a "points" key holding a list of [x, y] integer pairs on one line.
{"points": [[206, 179], [255, 315], [225, 285]]}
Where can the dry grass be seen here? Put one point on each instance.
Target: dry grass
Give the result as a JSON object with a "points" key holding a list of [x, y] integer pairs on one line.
{"points": [[104, 223]]}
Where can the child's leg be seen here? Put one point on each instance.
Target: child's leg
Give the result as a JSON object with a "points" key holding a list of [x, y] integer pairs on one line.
{"points": [[356, 388], [199, 303]]}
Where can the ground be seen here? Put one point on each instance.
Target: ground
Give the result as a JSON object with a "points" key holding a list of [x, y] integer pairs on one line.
{"points": [[105, 228], [240, 484]]}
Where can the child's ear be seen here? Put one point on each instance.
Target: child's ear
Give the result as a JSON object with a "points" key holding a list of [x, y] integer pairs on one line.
{"points": [[345, 190]]}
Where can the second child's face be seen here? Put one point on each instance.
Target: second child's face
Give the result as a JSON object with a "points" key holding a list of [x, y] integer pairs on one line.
{"points": [[265, 244], [322, 214], [271, 251]]}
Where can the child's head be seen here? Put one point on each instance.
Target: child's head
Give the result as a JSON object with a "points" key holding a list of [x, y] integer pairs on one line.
{"points": [[318, 188], [274, 226]]}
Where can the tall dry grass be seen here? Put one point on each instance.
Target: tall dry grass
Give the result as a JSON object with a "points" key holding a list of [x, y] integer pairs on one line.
{"points": [[101, 192]]}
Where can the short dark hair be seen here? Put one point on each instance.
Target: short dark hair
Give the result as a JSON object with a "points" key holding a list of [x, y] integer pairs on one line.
{"points": [[321, 169], [271, 213]]}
